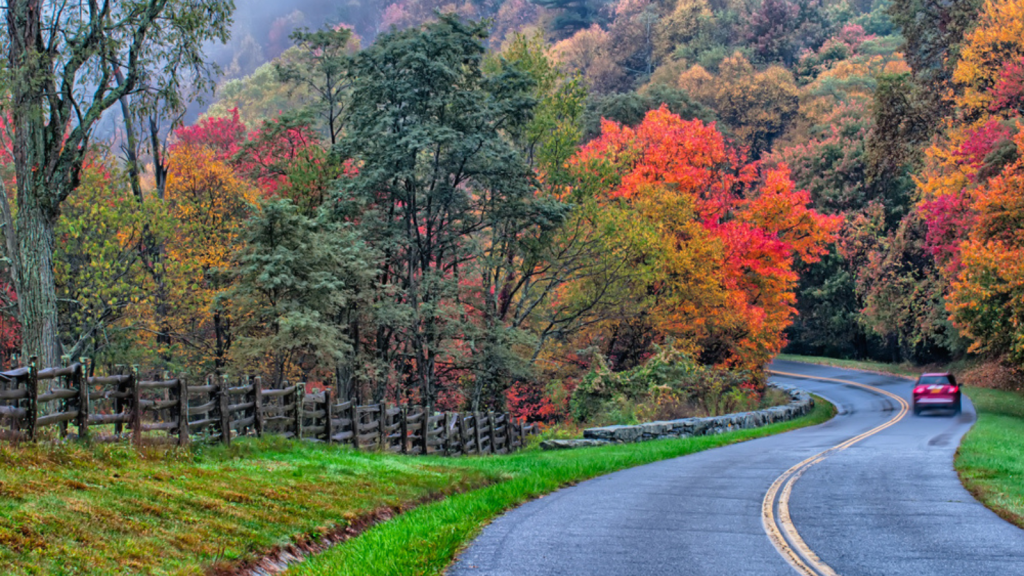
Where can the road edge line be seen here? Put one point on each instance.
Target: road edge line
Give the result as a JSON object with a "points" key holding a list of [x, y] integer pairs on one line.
{"points": [[793, 549]]}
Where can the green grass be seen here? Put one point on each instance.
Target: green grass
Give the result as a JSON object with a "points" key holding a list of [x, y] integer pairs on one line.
{"points": [[110, 509], [991, 457], [907, 370], [71, 509], [425, 540]]}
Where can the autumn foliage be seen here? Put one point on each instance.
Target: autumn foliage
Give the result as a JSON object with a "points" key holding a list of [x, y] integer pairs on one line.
{"points": [[970, 191], [475, 232], [727, 233]]}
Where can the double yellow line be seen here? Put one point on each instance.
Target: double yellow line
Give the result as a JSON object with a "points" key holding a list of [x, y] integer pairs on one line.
{"points": [[779, 527]]}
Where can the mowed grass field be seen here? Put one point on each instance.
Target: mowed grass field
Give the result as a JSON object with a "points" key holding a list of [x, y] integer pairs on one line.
{"points": [[991, 457], [71, 509]]}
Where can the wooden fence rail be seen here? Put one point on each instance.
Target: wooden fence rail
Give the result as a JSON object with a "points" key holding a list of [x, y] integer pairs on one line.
{"points": [[171, 410]]}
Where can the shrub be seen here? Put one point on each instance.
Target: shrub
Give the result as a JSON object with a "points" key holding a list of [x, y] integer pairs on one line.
{"points": [[669, 385], [995, 374]]}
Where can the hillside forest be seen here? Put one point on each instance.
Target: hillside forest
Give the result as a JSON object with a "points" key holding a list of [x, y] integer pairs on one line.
{"points": [[599, 209]]}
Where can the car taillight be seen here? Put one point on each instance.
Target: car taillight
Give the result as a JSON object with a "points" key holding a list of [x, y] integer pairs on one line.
{"points": [[919, 390], [953, 389]]}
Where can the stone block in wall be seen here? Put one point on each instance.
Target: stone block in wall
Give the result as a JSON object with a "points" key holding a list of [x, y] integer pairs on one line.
{"points": [[800, 404]]}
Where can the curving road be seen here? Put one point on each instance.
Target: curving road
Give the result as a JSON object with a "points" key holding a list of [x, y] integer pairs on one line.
{"points": [[889, 503]]}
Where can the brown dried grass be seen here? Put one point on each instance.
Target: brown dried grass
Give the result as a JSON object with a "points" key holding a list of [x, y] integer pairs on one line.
{"points": [[993, 374]]}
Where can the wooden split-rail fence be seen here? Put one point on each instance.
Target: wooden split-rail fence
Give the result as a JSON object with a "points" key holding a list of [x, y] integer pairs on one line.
{"points": [[172, 410]]}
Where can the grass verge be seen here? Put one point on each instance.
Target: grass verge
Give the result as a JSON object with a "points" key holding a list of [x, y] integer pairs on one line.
{"points": [[906, 370], [71, 509], [426, 539], [990, 459]]}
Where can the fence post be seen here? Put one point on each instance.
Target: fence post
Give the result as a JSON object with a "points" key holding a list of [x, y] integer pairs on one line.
{"points": [[448, 433], [459, 423], [353, 413], [510, 429], [356, 417], [385, 423], [257, 400], [222, 409], [65, 404], [182, 411], [135, 408], [504, 419], [243, 381], [490, 422], [425, 431], [31, 412], [495, 445], [490, 432], [405, 428], [119, 402], [82, 379], [476, 429], [495, 424], [328, 415], [300, 397]]}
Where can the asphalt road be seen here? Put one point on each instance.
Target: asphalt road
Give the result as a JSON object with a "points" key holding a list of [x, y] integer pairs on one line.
{"points": [[890, 504]]}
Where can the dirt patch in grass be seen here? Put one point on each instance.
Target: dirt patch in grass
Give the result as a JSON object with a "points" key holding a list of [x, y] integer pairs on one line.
{"points": [[277, 560]]}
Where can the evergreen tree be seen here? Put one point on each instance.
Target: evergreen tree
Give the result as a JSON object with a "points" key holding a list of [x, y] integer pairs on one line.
{"points": [[932, 31], [320, 68], [294, 277], [629, 108], [432, 136]]}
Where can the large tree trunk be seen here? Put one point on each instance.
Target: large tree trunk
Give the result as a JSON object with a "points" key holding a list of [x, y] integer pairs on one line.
{"points": [[30, 240], [37, 294], [61, 78]]}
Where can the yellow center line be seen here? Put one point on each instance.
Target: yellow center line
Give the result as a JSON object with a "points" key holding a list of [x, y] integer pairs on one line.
{"points": [[780, 528]]}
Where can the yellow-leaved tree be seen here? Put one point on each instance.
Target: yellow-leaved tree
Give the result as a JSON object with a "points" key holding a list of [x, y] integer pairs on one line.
{"points": [[208, 204]]}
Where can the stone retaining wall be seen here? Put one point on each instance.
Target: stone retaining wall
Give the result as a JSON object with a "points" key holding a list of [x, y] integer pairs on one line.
{"points": [[800, 404]]}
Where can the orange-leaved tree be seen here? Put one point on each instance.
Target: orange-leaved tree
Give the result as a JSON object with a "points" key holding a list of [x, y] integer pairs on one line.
{"points": [[986, 295], [715, 238], [969, 192]]}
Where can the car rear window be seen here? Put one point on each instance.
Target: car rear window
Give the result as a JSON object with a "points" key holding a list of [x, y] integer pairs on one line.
{"points": [[937, 380]]}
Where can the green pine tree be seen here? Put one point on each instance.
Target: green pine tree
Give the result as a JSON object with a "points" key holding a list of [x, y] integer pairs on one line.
{"points": [[294, 278], [435, 140]]}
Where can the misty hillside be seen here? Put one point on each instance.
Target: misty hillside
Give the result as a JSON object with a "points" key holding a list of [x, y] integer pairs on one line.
{"points": [[764, 71], [787, 81], [434, 227], [501, 203]]}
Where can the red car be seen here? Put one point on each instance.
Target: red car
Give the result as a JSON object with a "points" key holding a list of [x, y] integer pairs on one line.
{"points": [[936, 391]]}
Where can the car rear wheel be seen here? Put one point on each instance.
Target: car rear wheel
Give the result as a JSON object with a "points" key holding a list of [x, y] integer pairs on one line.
{"points": [[917, 410]]}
